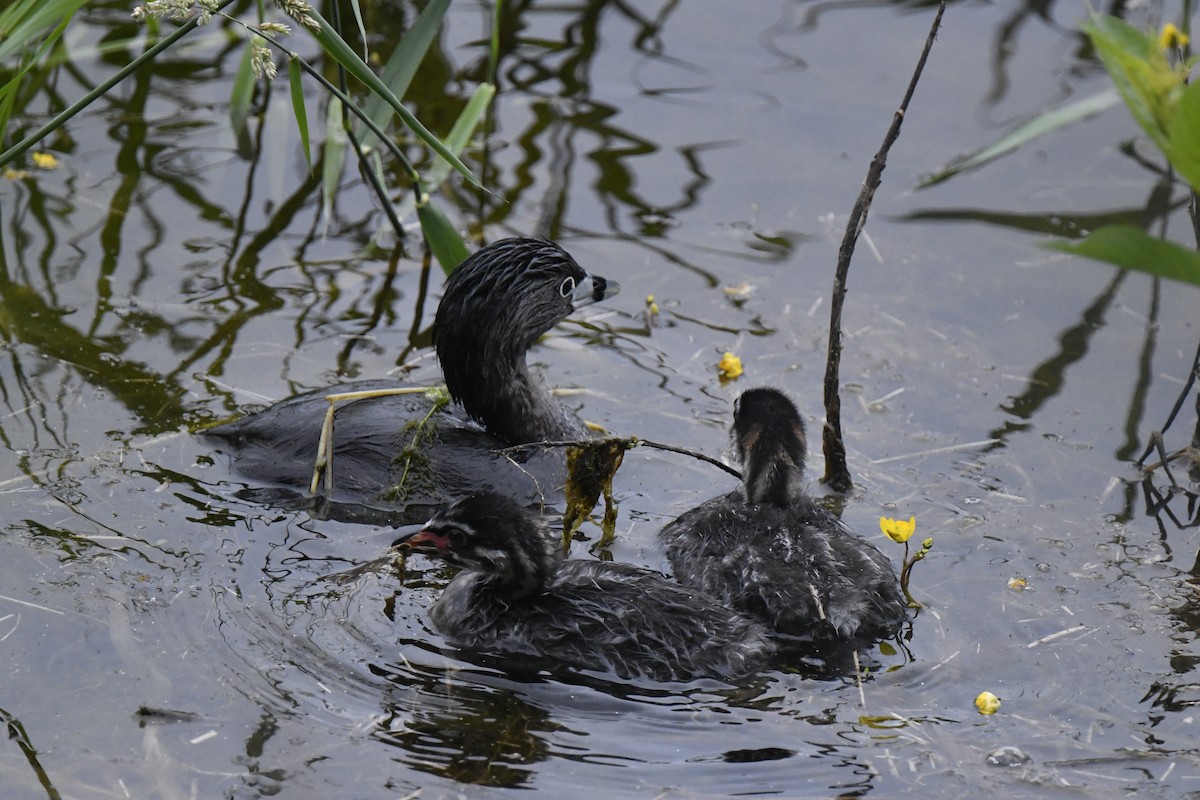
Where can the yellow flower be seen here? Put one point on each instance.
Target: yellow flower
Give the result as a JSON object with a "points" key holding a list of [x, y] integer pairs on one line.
{"points": [[987, 703], [44, 160], [730, 367], [897, 529], [651, 306], [1171, 37]]}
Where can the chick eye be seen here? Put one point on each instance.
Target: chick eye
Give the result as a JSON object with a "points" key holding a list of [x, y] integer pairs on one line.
{"points": [[567, 288]]}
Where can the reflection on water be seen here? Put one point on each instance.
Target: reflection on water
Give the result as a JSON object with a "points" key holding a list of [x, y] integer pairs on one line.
{"points": [[166, 275]]}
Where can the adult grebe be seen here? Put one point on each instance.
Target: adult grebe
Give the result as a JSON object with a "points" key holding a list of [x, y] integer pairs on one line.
{"points": [[495, 306]]}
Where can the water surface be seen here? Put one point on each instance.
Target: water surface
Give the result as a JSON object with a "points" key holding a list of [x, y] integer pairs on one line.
{"points": [[166, 275]]}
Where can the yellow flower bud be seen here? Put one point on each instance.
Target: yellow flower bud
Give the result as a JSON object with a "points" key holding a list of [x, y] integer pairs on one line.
{"points": [[1171, 37], [730, 367], [987, 703]]}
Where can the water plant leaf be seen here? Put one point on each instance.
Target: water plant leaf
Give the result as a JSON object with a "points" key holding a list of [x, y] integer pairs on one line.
{"points": [[1030, 129], [590, 471], [1184, 142], [298, 109], [24, 21], [1132, 248], [444, 241], [1139, 70], [461, 132], [401, 66], [456, 140], [242, 93], [362, 29], [20, 23], [341, 52], [334, 151]]}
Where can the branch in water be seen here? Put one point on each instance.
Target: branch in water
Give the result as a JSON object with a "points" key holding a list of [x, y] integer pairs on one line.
{"points": [[630, 443], [837, 474]]}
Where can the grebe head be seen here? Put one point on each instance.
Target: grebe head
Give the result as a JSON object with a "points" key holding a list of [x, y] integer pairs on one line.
{"points": [[495, 306], [491, 534], [768, 435]]}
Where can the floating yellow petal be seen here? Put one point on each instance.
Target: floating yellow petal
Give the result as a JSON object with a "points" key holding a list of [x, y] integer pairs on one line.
{"points": [[730, 367], [1171, 37], [987, 703], [897, 529], [1018, 584], [44, 160]]}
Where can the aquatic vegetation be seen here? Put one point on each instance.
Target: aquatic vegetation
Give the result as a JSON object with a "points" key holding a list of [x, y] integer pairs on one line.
{"points": [[900, 531], [27, 20], [1151, 75]]}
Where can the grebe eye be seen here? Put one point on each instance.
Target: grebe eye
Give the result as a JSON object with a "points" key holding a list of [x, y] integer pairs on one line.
{"points": [[568, 287]]}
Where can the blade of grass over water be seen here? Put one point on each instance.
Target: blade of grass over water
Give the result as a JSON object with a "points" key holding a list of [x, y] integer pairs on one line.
{"points": [[400, 68], [133, 66], [298, 109], [445, 243], [242, 93], [336, 47], [1024, 133], [23, 21]]}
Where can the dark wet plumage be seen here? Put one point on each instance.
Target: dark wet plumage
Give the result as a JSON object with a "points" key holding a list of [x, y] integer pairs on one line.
{"points": [[773, 553], [515, 596], [495, 306]]}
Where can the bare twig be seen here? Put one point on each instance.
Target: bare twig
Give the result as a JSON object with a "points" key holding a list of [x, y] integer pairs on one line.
{"points": [[630, 443], [837, 474]]}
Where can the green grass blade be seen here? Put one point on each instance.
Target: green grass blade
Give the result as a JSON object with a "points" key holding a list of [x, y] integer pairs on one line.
{"points": [[445, 243], [336, 47], [334, 154], [24, 22], [242, 93], [1132, 248], [61, 118], [298, 108], [1024, 133], [460, 134], [400, 68], [362, 29]]}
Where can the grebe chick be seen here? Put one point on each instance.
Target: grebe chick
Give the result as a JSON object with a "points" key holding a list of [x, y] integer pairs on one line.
{"points": [[515, 596], [495, 306], [772, 552]]}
